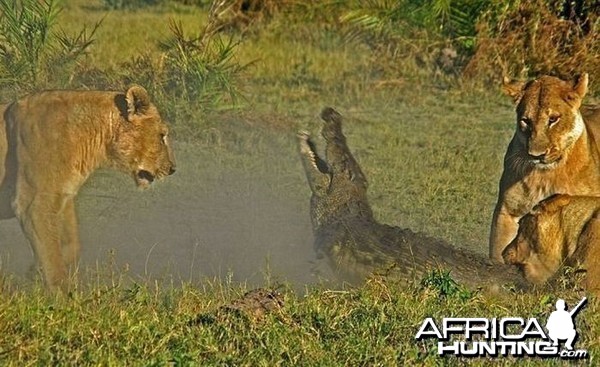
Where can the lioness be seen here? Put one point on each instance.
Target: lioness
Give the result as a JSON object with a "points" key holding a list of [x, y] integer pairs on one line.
{"points": [[554, 151], [50, 142], [560, 230]]}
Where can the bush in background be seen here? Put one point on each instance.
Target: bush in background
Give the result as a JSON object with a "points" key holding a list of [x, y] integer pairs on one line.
{"points": [[193, 72], [437, 33], [529, 38], [33, 53], [481, 39]]}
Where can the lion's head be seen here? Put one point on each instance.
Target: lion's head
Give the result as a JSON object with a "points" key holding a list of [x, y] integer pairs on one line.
{"points": [[538, 247], [548, 118], [141, 145]]}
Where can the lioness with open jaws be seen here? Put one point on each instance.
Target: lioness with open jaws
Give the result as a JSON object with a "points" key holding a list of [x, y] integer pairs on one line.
{"points": [[50, 143], [554, 151], [562, 230]]}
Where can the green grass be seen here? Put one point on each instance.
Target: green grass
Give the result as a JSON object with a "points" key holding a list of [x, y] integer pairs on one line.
{"points": [[433, 157], [117, 42], [141, 325]]}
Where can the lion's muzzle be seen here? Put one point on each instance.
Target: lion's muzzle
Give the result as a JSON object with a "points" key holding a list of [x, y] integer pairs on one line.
{"points": [[144, 178]]}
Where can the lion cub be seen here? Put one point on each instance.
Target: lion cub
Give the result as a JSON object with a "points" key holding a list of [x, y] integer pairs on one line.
{"points": [[52, 141], [562, 230]]}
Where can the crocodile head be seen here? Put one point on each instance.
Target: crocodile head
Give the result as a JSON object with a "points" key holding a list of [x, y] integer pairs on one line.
{"points": [[339, 187]]}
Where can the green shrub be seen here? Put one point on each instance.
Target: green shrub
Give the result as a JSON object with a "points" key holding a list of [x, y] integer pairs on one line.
{"points": [[438, 35], [192, 73], [201, 69], [33, 53], [396, 21], [441, 282]]}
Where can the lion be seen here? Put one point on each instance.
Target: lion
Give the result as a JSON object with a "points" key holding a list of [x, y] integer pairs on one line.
{"points": [[50, 143], [554, 150], [562, 230]]}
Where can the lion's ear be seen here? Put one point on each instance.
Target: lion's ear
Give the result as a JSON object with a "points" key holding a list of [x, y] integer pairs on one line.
{"points": [[580, 88], [138, 101], [517, 252], [513, 88], [581, 85]]}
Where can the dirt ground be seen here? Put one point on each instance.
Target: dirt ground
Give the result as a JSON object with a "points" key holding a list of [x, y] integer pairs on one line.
{"points": [[208, 220]]}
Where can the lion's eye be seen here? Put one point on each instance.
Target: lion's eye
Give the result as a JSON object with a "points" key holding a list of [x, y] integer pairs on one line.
{"points": [[553, 120], [163, 138]]}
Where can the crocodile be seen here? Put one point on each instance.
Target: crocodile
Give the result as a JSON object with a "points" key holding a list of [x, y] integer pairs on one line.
{"points": [[356, 245]]}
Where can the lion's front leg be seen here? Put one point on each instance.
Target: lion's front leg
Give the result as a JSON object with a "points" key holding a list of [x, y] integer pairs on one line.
{"points": [[504, 229], [71, 246], [41, 217]]}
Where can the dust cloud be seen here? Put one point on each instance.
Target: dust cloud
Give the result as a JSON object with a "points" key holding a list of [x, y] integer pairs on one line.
{"points": [[208, 220]]}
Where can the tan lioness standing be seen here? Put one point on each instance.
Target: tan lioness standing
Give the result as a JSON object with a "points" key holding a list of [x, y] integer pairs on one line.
{"points": [[50, 143], [562, 230], [554, 151]]}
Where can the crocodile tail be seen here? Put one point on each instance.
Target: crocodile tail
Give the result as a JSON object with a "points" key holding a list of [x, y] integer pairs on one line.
{"points": [[331, 115]]}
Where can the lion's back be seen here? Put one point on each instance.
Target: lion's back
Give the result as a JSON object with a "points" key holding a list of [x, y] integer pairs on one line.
{"points": [[60, 107]]}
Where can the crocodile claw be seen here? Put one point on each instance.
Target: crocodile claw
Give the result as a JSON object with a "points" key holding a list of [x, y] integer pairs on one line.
{"points": [[303, 135], [330, 115]]}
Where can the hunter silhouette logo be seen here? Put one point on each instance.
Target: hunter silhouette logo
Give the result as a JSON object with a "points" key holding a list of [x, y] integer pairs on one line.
{"points": [[560, 324], [507, 336]]}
